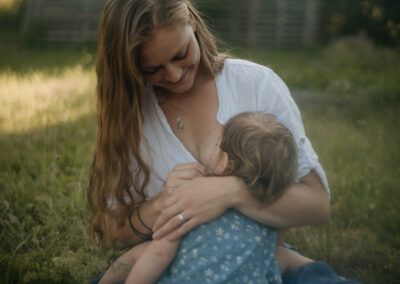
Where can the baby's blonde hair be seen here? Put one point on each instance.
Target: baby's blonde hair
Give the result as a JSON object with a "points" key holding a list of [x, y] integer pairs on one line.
{"points": [[262, 152]]}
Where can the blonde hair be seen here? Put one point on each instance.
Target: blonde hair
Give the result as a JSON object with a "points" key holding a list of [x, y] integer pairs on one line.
{"points": [[262, 152], [124, 26]]}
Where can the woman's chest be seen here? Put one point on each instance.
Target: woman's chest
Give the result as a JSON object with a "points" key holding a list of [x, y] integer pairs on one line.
{"points": [[198, 128], [203, 136]]}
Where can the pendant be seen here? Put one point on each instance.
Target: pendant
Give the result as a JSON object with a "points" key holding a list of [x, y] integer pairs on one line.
{"points": [[179, 124]]}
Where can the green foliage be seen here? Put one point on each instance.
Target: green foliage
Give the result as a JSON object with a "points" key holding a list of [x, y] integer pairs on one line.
{"points": [[379, 19], [348, 93]]}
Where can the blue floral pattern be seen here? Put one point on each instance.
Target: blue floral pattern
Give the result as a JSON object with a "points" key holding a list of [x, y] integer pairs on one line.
{"points": [[230, 249]]}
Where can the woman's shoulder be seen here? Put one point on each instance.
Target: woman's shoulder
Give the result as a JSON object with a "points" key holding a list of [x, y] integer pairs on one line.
{"points": [[245, 67], [244, 76], [242, 85]]}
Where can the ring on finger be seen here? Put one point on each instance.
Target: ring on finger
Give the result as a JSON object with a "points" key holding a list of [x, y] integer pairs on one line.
{"points": [[180, 216]]}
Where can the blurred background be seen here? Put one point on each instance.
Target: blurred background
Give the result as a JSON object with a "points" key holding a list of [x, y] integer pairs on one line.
{"points": [[340, 59], [251, 23]]}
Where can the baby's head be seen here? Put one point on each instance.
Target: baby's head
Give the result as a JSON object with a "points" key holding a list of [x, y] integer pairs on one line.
{"points": [[262, 152]]}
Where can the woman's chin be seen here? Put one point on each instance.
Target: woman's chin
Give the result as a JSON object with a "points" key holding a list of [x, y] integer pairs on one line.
{"points": [[181, 88], [186, 85]]}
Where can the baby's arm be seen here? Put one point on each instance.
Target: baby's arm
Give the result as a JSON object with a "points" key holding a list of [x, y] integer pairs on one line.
{"points": [[152, 263], [290, 260], [119, 269]]}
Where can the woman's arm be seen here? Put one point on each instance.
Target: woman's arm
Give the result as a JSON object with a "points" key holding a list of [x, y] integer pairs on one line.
{"points": [[204, 199], [304, 204], [123, 236], [151, 210]]}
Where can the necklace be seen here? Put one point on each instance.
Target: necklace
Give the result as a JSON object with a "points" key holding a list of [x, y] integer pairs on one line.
{"points": [[179, 117]]}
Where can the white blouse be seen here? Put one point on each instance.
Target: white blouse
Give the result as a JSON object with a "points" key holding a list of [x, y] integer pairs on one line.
{"points": [[242, 86]]}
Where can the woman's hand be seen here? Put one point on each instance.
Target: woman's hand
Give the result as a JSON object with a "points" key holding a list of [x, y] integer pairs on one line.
{"points": [[152, 209], [197, 202], [181, 174]]}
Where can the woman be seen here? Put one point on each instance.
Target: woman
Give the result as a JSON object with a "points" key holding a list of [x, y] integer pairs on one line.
{"points": [[164, 92]]}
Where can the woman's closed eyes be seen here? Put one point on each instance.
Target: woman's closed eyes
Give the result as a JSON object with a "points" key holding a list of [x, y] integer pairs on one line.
{"points": [[179, 56]]}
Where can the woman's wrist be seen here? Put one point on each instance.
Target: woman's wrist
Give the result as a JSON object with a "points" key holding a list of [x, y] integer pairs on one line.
{"points": [[156, 204], [140, 233], [237, 194], [242, 200]]}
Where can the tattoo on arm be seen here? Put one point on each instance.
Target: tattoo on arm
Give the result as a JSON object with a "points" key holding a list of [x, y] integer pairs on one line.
{"points": [[119, 266]]}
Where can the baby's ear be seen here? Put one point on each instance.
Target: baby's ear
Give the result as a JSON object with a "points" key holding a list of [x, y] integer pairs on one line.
{"points": [[222, 164]]}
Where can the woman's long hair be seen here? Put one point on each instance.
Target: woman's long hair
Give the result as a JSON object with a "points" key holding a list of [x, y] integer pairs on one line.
{"points": [[118, 167]]}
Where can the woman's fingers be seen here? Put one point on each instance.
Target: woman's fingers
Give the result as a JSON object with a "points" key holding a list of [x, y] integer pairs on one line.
{"points": [[182, 174], [199, 201], [183, 230], [172, 186], [172, 224], [167, 213], [176, 227], [195, 166], [187, 174]]}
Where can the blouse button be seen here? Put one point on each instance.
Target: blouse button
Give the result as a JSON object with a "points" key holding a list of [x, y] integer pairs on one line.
{"points": [[302, 140]]}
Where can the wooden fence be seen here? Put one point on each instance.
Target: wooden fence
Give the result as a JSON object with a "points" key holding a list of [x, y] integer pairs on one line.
{"points": [[63, 21], [252, 23], [266, 23]]}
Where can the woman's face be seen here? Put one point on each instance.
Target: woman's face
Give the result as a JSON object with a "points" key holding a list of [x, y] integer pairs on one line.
{"points": [[170, 59]]}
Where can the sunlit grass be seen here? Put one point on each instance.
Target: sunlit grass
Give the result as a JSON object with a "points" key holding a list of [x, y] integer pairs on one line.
{"points": [[47, 132], [9, 6], [36, 100]]}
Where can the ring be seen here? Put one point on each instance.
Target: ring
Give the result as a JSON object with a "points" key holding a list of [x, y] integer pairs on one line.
{"points": [[180, 216]]}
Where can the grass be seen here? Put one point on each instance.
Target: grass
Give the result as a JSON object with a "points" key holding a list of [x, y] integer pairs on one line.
{"points": [[349, 94]]}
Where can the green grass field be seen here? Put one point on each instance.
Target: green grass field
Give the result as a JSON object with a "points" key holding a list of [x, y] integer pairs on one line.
{"points": [[349, 95]]}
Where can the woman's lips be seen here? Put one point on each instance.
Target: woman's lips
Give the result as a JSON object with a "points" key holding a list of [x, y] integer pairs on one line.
{"points": [[183, 78]]}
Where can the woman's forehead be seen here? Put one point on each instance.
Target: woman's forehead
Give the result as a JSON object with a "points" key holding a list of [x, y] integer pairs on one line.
{"points": [[163, 45]]}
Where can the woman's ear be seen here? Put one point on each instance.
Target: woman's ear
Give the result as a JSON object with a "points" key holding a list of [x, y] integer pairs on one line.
{"points": [[192, 20], [222, 164]]}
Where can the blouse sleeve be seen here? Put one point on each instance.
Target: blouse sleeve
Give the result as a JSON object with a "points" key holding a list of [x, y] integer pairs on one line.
{"points": [[274, 97]]}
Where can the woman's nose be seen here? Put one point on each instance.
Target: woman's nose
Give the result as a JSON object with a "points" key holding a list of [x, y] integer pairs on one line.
{"points": [[173, 73]]}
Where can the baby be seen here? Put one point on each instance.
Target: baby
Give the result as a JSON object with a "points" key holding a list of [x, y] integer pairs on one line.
{"points": [[233, 248]]}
